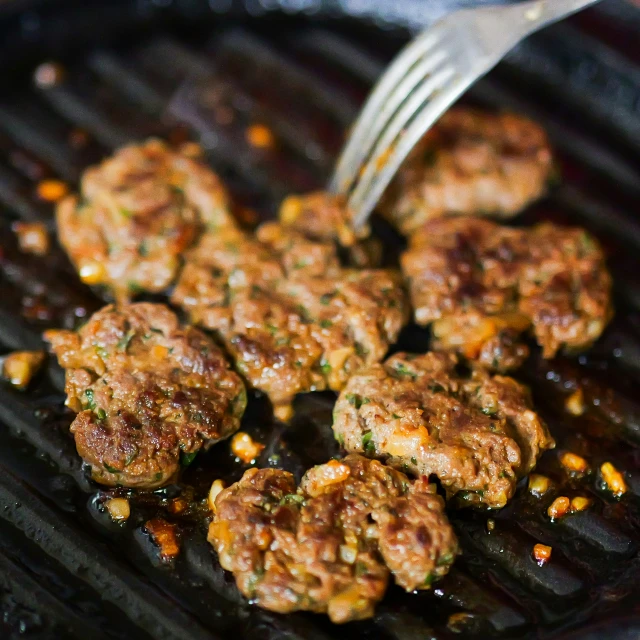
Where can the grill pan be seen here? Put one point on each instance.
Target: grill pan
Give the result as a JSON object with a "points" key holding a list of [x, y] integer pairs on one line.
{"points": [[66, 571]]}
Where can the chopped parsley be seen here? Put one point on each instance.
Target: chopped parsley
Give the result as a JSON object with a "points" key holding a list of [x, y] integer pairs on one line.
{"points": [[325, 324], [356, 400], [435, 387], [367, 444], [123, 343], [102, 352], [111, 469], [187, 458], [401, 369], [102, 414], [326, 368], [326, 298], [134, 287], [292, 498], [91, 404]]}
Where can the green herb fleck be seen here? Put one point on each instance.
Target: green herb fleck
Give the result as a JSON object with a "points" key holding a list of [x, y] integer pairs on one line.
{"points": [[435, 387], [292, 498], [414, 460], [123, 343], [111, 469], [367, 443], [272, 329], [102, 414], [325, 368], [445, 559], [428, 581], [325, 324], [187, 458], [102, 352], [401, 369], [127, 213], [158, 475], [134, 287], [326, 298], [91, 404]]}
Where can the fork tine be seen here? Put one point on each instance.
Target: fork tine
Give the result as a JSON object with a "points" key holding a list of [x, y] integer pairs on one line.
{"points": [[403, 133], [424, 69], [403, 63]]}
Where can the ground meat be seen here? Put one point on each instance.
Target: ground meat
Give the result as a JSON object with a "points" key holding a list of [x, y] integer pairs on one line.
{"points": [[321, 216], [137, 212], [149, 394], [470, 162], [291, 318], [329, 546], [476, 432], [482, 285]]}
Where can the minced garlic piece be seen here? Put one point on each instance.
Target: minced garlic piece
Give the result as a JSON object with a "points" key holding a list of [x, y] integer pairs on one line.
{"points": [[538, 484], [542, 553], [573, 462], [216, 487], [245, 447], [614, 479], [574, 404], [118, 509], [20, 366], [559, 507]]}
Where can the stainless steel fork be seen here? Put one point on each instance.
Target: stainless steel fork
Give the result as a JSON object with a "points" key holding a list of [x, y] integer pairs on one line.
{"points": [[427, 76]]}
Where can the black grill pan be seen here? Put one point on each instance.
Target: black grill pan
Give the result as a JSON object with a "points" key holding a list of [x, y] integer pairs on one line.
{"points": [[302, 68]]}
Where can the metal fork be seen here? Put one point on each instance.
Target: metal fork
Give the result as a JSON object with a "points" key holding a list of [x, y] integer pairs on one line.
{"points": [[426, 77]]}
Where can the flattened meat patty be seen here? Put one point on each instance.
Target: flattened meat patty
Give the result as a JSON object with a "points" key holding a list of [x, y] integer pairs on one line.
{"points": [[137, 212], [291, 318], [470, 162], [149, 394], [482, 285], [324, 217], [476, 432], [329, 546]]}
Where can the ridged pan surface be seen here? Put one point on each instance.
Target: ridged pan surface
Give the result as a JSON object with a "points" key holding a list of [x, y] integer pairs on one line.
{"points": [[66, 570]]}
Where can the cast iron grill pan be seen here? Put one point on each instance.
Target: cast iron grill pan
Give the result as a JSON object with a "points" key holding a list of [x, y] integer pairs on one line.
{"points": [[65, 569]]}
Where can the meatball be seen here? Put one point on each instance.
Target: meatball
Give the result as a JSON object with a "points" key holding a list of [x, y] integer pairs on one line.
{"points": [[290, 317], [470, 162], [324, 217], [482, 285], [149, 393], [137, 212], [329, 546], [476, 432]]}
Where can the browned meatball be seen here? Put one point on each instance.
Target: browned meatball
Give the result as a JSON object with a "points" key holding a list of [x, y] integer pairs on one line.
{"points": [[291, 318], [476, 432], [137, 212], [149, 393], [324, 217], [482, 285], [329, 546], [470, 162]]}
